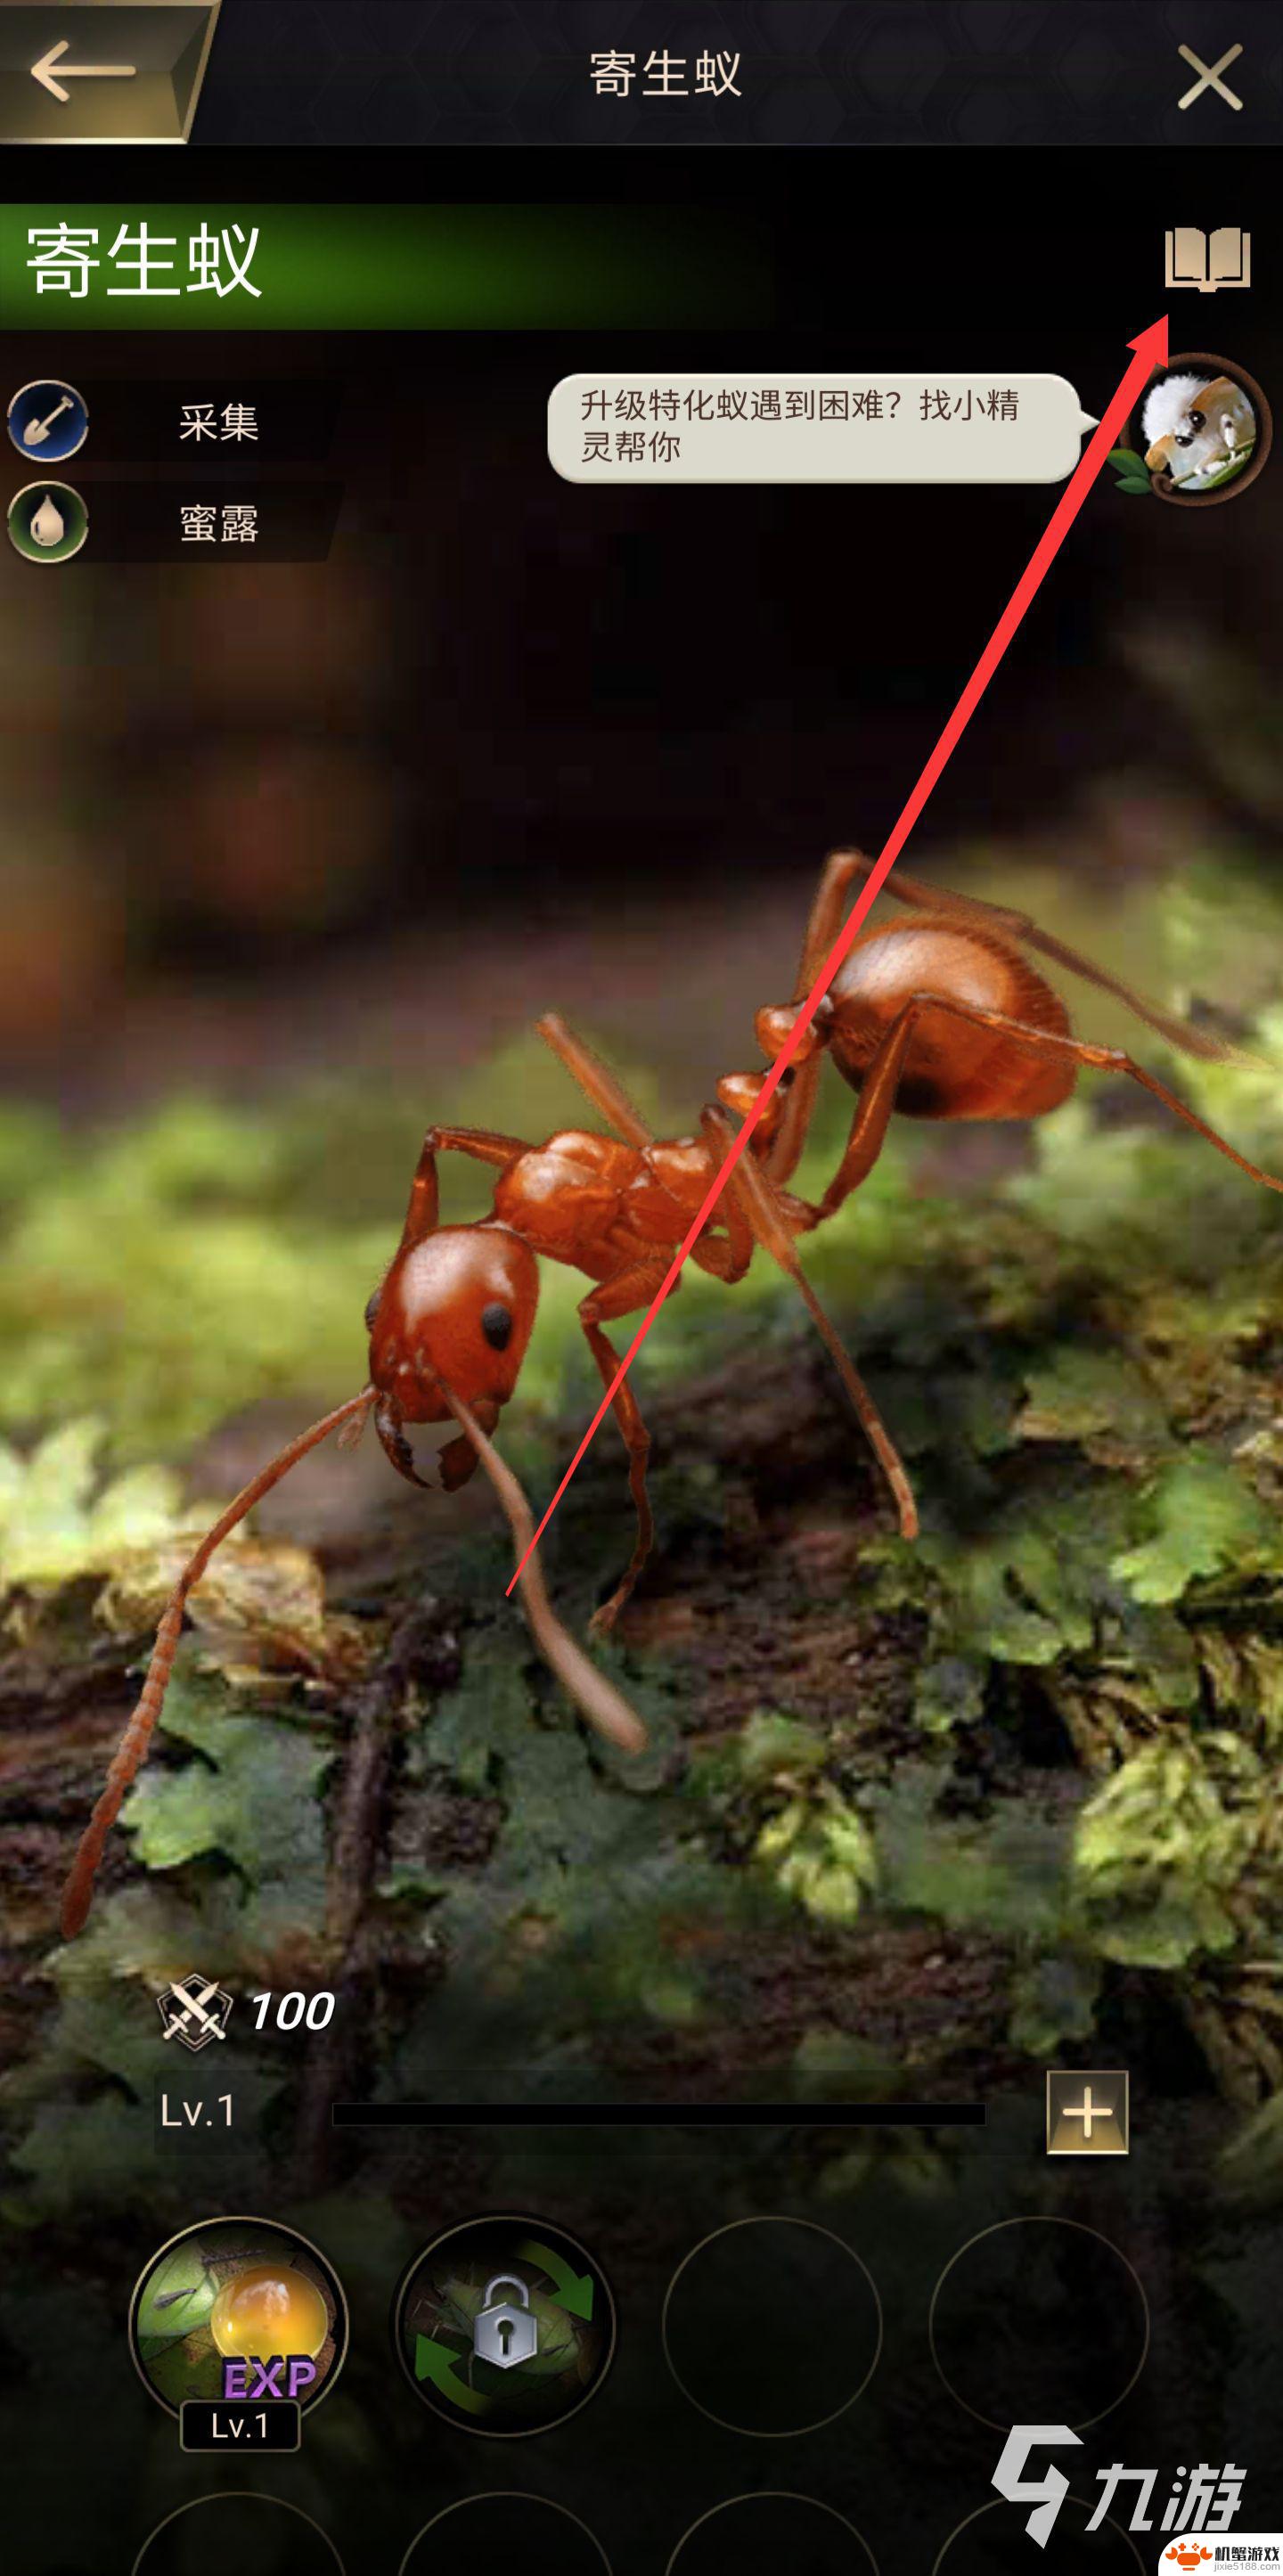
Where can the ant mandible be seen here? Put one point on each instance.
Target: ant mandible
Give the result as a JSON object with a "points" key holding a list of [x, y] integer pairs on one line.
{"points": [[939, 1017]]}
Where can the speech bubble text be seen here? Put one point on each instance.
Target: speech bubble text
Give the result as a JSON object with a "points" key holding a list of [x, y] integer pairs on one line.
{"points": [[857, 428]]}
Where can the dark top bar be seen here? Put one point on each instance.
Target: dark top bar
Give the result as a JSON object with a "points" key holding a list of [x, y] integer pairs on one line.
{"points": [[921, 72]]}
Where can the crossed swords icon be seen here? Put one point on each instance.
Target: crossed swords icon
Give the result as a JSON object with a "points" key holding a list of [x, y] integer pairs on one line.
{"points": [[183, 2010]]}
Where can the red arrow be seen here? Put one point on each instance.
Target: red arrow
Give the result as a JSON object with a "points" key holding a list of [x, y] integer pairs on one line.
{"points": [[1150, 352]]}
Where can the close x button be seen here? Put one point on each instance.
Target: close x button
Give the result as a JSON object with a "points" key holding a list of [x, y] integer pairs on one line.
{"points": [[102, 71]]}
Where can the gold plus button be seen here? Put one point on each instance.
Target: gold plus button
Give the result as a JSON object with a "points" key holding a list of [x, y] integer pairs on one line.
{"points": [[1088, 2114]]}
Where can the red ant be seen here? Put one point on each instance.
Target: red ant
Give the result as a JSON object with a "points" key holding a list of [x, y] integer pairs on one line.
{"points": [[940, 1017]]}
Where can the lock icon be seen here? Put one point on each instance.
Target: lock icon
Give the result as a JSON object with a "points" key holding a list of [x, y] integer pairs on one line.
{"points": [[504, 2334]]}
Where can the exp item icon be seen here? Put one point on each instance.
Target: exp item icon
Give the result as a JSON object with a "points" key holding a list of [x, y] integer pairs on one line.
{"points": [[1088, 2115], [194, 2010], [504, 2326], [48, 522], [48, 419], [238, 2308]]}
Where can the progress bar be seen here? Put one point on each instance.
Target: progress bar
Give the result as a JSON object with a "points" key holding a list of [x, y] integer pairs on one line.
{"points": [[658, 2115]]}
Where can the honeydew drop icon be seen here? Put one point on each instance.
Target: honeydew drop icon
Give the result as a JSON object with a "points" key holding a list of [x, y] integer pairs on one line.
{"points": [[48, 525]]}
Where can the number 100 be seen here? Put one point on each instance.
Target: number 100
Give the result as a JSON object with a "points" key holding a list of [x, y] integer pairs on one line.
{"points": [[315, 2010]]}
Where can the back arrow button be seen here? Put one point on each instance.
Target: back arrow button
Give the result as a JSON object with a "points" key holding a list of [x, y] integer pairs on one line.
{"points": [[43, 71], [102, 71]]}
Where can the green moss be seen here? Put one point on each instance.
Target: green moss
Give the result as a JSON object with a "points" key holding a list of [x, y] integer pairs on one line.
{"points": [[252, 1795], [1163, 1847], [60, 1519]]}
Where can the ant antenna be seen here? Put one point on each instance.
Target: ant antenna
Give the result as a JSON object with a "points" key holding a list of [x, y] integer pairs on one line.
{"points": [[131, 1752], [603, 1706]]}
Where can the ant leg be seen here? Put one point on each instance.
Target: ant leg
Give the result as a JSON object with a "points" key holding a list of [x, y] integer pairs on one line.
{"points": [[595, 1080], [872, 1111], [1105, 1059], [425, 1200], [846, 865], [828, 912], [783, 1156], [131, 1752], [725, 1257], [758, 1204], [923, 898], [622, 1295], [482, 1143]]}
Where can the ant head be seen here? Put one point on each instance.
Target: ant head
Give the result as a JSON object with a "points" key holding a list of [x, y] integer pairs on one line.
{"points": [[774, 1028], [459, 1306]]}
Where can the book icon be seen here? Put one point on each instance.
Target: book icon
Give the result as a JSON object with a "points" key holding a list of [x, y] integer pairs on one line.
{"points": [[1209, 260]]}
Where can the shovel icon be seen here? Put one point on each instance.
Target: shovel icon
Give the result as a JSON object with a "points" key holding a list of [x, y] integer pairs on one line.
{"points": [[37, 431]]}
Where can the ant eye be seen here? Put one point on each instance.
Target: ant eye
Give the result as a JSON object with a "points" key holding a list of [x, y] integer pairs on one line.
{"points": [[496, 1324]]}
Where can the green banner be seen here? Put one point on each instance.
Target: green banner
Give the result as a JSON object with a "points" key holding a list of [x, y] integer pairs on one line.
{"points": [[376, 268]]}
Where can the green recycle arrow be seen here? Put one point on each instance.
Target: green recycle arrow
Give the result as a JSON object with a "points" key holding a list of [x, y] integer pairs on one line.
{"points": [[574, 2289], [435, 2361]]}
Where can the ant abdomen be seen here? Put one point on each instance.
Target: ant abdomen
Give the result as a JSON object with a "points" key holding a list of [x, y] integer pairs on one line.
{"points": [[953, 1067]]}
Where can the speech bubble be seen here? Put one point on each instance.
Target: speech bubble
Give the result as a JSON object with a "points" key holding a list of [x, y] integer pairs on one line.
{"points": [[985, 427]]}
